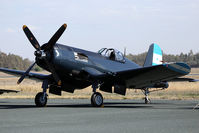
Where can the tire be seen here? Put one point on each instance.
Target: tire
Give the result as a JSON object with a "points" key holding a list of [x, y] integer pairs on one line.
{"points": [[92, 97], [97, 99], [39, 100]]}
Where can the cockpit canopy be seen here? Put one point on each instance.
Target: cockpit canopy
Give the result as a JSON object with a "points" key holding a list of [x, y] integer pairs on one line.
{"points": [[112, 54]]}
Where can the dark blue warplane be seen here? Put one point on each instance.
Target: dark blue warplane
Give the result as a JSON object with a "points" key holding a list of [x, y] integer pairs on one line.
{"points": [[72, 68]]}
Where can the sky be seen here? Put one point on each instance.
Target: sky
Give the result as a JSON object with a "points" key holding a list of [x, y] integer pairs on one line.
{"points": [[94, 24]]}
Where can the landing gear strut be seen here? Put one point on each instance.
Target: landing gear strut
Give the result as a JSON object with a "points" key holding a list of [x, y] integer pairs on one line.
{"points": [[41, 97], [96, 98], [146, 93]]}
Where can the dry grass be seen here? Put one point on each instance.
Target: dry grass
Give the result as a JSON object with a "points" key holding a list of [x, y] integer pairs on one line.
{"points": [[29, 88], [195, 70]]}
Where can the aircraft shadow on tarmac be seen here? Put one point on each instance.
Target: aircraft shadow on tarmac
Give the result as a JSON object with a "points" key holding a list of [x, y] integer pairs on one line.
{"points": [[67, 106], [106, 105]]}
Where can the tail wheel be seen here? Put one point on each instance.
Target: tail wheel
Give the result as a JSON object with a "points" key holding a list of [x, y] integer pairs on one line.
{"points": [[147, 101], [97, 99], [40, 99]]}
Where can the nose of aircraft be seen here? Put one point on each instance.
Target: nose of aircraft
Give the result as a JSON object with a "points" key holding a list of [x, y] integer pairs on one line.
{"points": [[42, 51]]}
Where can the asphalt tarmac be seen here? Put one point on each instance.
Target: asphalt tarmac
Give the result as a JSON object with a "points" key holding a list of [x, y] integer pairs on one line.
{"points": [[117, 116]]}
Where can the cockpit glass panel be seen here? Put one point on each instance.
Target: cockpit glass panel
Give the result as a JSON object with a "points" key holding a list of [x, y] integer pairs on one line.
{"points": [[101, 50], [119, 56], [112, 54]]}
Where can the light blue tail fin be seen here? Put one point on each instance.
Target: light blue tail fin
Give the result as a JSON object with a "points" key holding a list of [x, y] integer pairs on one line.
{"points": [[154, 56]]}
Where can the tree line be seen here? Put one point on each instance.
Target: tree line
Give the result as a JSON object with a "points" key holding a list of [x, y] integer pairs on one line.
{"points": [[189, 58], [13, 61]]}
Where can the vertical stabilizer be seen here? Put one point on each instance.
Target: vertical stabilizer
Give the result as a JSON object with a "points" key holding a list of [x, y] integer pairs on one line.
{"points": [[154, 56]]}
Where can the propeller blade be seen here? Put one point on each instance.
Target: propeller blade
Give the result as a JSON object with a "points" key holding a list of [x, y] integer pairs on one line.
{"points": [[54, 38], [55, 75], [31, 37], [25, 74], [57, 35]]}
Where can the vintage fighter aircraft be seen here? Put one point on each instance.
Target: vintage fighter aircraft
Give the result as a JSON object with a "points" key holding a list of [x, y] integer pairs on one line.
{"points": [[73, 68]]}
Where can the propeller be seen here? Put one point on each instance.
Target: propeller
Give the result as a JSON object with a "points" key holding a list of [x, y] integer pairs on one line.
{"points": [[25, 74], [31, 38], [42, 50], [54, 38]]}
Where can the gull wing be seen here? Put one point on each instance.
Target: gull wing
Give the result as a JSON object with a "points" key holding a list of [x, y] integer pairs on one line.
{"points": [[147, 76]]}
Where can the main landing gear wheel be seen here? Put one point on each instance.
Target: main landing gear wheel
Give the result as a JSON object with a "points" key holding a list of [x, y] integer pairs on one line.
{"points": [[41, 99], [97, 99]]}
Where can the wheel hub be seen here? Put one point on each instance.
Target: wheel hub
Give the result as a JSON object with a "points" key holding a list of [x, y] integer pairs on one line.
{"points": [[98, 100]]}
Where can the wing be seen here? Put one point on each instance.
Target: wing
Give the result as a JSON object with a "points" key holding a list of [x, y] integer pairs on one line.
{"points": [[93, 72], [147, 76], [30, 75]]}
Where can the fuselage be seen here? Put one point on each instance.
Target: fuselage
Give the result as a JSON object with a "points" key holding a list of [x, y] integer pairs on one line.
{"points": [[69, 60]]}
